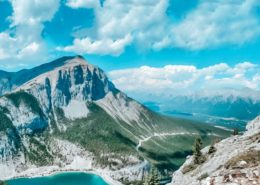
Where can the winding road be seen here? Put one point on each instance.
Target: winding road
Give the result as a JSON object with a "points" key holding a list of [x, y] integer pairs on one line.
{"points": [[165, 134]]}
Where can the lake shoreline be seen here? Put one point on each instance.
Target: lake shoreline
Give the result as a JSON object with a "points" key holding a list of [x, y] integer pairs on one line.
{"points": [[102, 174]]}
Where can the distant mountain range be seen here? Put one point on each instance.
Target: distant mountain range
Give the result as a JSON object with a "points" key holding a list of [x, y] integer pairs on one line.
{"points": [[67, 115], [231, 111]]}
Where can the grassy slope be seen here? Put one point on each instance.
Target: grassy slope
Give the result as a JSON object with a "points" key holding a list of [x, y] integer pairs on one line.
{"points": [[99, 134], [169, 152], [102, 135]]}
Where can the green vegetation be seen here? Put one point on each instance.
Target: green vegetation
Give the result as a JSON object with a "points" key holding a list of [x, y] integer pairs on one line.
{"points": [[107, 138], [212, 148], [198, 157], [101, 135], [170, 151], [152, 178], [235, 132], [38, 153], [5, 122], [113, 141], [29, 100], [3, 183]]}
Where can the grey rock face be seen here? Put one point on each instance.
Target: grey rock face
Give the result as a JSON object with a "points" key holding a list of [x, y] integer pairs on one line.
{"points": [[236, 161], [11, 80], [31, 107], [75, 80]]}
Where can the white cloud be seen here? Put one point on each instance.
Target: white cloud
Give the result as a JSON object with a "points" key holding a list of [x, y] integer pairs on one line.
{"points": [[21, 44], [33, 11], [210, 24], [142, 21], [218, 22], [29, 49], [106, 46], [23, 40], [149, 83], [83, 3]]}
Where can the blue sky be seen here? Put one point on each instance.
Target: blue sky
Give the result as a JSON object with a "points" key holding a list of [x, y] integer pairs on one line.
{"points": [[221, 37], [122, 34]]}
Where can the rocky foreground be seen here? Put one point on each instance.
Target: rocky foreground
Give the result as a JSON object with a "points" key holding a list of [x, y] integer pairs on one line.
{"points": [[236, 161]]}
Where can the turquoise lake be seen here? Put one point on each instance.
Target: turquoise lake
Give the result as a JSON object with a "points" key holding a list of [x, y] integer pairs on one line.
{"points": [[70, 178]]}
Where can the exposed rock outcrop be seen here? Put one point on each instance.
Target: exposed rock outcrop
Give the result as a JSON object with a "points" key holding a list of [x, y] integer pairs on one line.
{"points": [[236, 161]]}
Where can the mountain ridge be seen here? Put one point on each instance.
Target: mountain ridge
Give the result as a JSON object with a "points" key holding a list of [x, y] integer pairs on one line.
{"points": [[13, 79], [75, 105], [230, 111]]}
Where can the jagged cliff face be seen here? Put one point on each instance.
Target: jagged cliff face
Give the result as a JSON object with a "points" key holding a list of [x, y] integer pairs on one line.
{"points": [[75, 80], [31, 106], [67, 112], [236, 161], [67, 87], [11, 80], [67, 104]]}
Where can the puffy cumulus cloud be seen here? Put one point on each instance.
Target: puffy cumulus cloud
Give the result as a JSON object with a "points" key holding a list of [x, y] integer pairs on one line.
{"points": [[33, 11], [116, 21], [218, 22], [146, 82], [210, 24], [105, 46], [23, 42]]}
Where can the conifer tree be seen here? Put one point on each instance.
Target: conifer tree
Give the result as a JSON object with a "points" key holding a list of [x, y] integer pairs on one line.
{"points": [[212, 148], [235, 132], [152, 178], [196, 151]]}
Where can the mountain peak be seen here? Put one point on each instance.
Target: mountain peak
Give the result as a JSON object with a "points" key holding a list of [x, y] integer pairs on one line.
{"points": [[69, 78], [62, 61], [76, 60]]}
